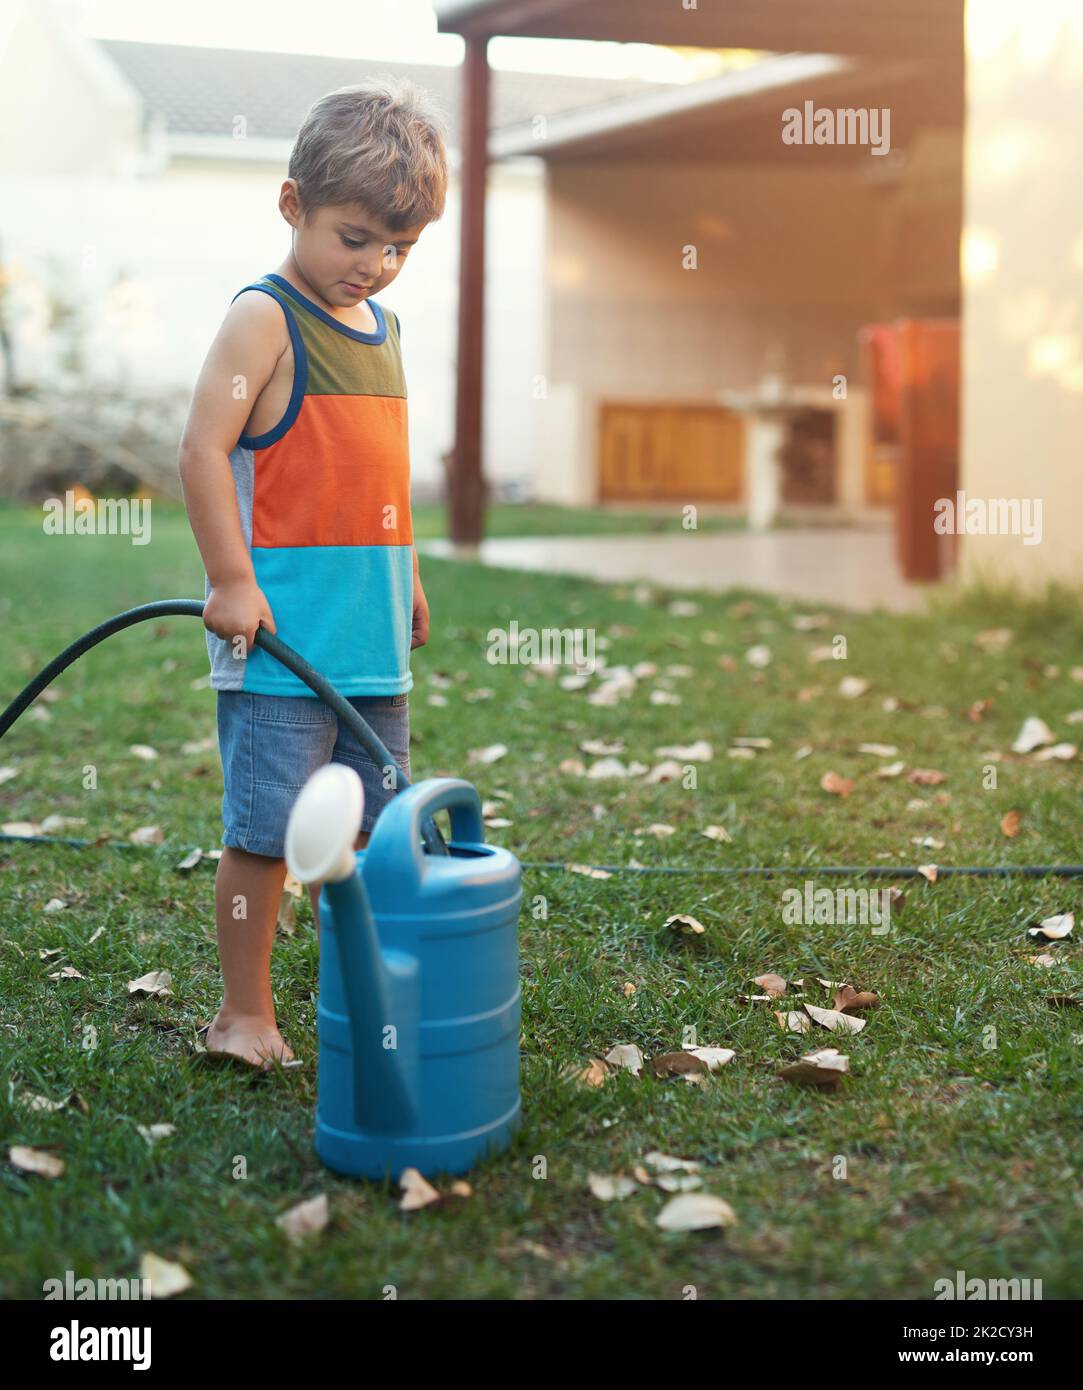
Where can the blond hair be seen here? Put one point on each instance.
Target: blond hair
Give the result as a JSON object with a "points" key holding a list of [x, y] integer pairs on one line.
{"points": [[378, 142]]}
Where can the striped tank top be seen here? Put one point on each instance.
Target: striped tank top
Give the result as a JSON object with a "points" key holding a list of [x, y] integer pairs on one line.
{"points": [[324, 500]]}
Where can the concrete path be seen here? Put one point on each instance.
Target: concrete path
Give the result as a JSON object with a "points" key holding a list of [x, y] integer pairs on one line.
{"points": [[849, 566]]}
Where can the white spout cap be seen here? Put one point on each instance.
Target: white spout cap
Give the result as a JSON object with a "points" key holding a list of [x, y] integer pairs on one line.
{"points": [[324, 823]]}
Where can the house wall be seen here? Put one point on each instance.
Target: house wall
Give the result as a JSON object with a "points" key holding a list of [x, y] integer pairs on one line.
{"points": [[150, 264], [63, 105], [1022, 421], [790, 263]]}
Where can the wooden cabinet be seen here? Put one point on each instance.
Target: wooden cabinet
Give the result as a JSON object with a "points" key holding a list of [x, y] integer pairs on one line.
{"points": [[670, 453]]}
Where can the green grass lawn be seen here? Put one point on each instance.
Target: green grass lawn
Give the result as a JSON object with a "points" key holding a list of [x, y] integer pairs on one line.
{"points": [[546, 519], [961, 1144]]}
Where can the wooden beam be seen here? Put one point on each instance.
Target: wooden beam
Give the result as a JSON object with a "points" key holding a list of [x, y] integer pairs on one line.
{"points": [[882, 27], [514, 14], [466, 501]]}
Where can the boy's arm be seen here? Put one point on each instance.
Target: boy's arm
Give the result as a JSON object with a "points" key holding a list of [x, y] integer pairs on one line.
{"points": [[244, 354], [420, 634]]}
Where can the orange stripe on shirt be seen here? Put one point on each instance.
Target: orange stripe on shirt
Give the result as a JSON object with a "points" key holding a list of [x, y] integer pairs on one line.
{"points": [[339, 476]]}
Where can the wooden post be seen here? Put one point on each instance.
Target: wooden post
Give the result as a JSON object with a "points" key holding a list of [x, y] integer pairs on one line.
{"points": [[929, 435], [466, 486]]}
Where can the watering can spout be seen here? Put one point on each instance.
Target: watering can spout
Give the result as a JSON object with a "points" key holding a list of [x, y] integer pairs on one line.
{"points": [[379, 985]]}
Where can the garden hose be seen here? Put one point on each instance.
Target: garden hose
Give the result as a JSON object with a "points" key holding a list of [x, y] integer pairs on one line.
{"points": [[434, 841], [274, 646]]}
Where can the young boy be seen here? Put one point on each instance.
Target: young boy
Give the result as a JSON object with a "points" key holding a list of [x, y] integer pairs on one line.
{"points": [[295, 470]]}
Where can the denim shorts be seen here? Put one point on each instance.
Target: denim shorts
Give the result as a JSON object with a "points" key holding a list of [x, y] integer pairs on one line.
{"points": [[272, 744]]}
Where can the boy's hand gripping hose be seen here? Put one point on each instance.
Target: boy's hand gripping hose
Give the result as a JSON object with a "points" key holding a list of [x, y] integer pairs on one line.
{"points": [[430, 833]]}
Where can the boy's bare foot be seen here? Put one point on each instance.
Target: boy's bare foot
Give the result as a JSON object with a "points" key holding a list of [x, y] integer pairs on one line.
{"points": [[254, 1040]]}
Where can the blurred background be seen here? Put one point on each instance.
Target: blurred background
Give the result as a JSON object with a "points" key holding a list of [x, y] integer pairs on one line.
{"points": [[641, 296]]}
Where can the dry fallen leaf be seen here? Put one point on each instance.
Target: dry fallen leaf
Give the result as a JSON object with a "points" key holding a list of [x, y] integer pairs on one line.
{"points": [[774, 985], [1054, 928], [699, 752], [152, 1133], [926, 776], [599, 748], [794, 1021], [588, 870], [659, 830], [677, 1064], [836, 785], [665, 1163], [416, 1191], [155, 984], [928, 871], [286, 921], [605, 768], [681, 922], [42, 1102], [716, 832], [1032, 735], [594, 1073], [305, 1219], [1057, 752], [1009, 824], [165, 1277], [823, 1068], [695, 1211], [487, 755], [147, 835], [29, 1160], [835, 1021], [715, 1057], [626, 1055], [609, 1189], [848, 999], [678, 1182]]}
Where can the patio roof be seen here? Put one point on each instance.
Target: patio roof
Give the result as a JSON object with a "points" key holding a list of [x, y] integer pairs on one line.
{"points": [[736, 116], [888, 28], [905, 55]]}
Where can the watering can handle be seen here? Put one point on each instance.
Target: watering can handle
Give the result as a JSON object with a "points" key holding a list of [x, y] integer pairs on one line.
{"points": [[394, 854], [463, 804]]}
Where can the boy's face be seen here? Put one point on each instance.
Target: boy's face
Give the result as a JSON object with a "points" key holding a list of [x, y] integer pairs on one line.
{"points": [[346, 253]]}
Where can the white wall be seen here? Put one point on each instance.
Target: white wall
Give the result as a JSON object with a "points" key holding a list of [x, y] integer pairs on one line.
{"points": [[790, 263], [63, 105], [1022, 420], [186, 242]]}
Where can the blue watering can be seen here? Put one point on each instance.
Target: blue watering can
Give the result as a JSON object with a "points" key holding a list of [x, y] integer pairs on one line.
{"points": [[419, 978]]}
